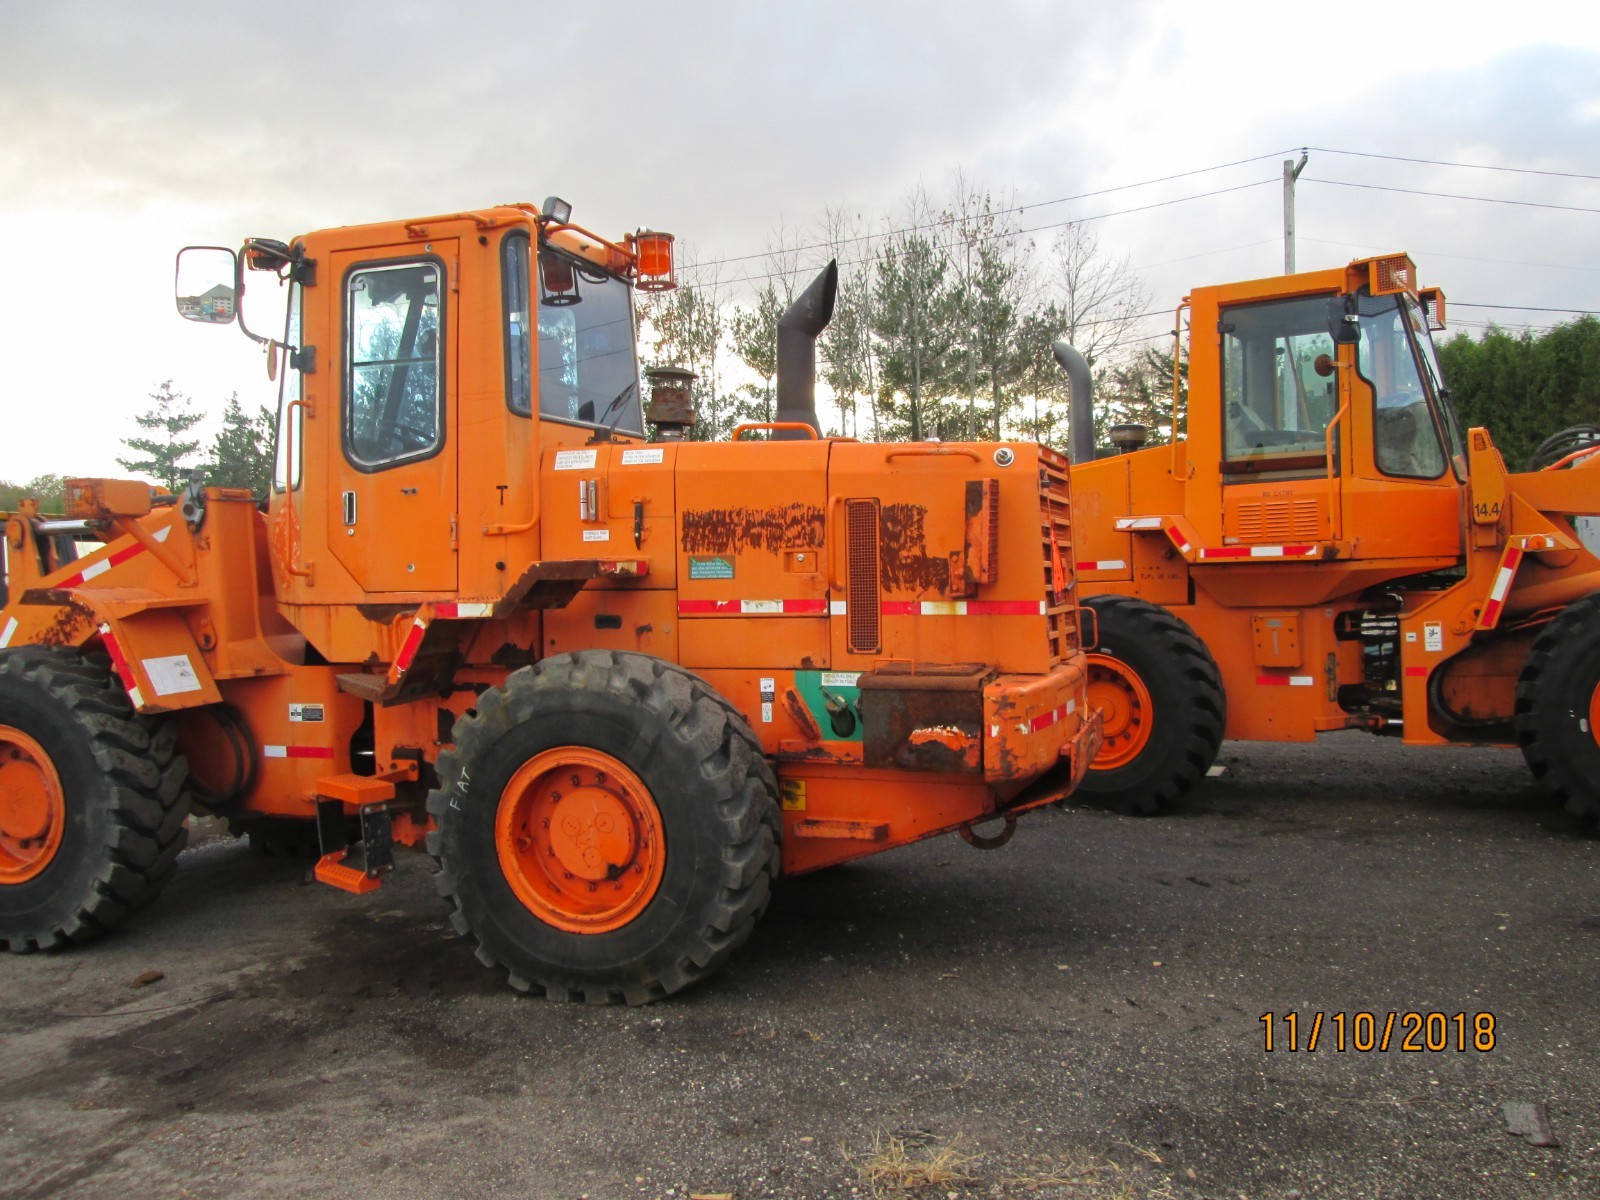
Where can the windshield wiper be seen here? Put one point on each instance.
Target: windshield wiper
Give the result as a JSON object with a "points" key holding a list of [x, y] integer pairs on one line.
{"points": [[604, 435]]}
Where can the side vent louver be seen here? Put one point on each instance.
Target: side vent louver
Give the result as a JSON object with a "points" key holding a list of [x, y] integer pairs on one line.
{"points": [[861, 582]]}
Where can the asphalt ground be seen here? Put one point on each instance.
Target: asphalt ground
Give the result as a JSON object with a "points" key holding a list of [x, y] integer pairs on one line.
{"points": [[1075, 1015]]}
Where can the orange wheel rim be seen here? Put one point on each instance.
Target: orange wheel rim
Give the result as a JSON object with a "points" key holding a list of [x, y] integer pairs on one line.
{"points": [[1594, 714], [1125, 712], [33, 808], [580, 841]]}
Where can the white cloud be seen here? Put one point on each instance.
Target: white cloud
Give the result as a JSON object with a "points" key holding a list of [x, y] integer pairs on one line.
{"points": [[130, 130]]}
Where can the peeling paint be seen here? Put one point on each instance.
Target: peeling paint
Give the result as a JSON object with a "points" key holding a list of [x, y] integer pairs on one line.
{"points": [[904, 563], [729, 530]]}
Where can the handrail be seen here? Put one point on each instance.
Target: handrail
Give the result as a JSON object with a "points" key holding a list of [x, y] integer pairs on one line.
{"points": [[502, 530], [1177, 376], [830, 541], [933, 452], [290, 474], [811, 434], [1335, 493]]}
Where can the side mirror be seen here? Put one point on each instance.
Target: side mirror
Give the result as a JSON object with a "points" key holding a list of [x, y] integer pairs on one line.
{"points": [[1324, 365], [206, 284], [1344, 326]]}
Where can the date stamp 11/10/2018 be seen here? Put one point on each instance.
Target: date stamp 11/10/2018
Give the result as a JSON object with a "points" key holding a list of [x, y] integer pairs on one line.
{"points": [[1379, 1032]]}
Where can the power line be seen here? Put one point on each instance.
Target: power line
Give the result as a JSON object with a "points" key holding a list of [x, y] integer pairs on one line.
{"points": [[1121, 212], [1582, 312], [1378, 187], [1018, 208], [1434, 162]]}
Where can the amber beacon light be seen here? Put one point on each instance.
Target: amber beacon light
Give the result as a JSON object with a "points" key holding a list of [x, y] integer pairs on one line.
{"points": [[654, 263]]}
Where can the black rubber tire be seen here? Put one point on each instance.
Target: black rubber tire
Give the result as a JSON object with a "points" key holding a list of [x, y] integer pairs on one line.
{"points": [[1554, 693], [717, 798], [1189, 707], [123, 784]]}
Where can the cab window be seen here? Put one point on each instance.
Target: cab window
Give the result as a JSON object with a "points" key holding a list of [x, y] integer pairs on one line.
{"points": [[1276, 407], [1405, 436], [519, 346], [586, 372], [291, 424], [394, 330]]}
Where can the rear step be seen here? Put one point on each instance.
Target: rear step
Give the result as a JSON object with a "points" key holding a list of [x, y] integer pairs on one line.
{"points": [[354, 868]]}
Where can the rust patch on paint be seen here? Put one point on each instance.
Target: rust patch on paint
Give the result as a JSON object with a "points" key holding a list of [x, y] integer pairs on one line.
{"points": [[729, 530], [904, 563]]}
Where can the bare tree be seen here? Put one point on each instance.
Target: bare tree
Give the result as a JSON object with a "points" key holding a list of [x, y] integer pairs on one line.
{"points": [[1097, 293], [849, 360]]}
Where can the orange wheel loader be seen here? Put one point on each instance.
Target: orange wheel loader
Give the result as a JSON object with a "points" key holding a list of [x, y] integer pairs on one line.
{"points": [[1328, 549], [615, 686]]}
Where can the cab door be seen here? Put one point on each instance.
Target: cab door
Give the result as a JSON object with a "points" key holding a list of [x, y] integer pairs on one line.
{"points": [[392, 520]]}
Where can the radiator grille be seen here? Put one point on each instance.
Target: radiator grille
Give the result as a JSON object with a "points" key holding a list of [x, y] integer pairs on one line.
{"points": [[864, 629], [1279, 520], [1055, 527]]}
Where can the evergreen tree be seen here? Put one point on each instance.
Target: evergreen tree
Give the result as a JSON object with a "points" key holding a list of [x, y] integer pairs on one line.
{"points": [[1525, 387], [241, 455], [163, 450], [912, 313]]}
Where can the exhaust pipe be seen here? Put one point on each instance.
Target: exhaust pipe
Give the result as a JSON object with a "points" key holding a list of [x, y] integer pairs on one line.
{"points": [[1080, 402], [798, 330]]}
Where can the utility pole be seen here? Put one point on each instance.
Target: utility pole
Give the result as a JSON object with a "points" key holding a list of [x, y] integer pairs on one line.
{"points": [[1291, 172]]}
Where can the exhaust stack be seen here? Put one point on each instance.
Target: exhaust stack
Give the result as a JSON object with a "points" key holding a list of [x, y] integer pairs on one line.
{"points": [[1080, 401], [798, 330]]}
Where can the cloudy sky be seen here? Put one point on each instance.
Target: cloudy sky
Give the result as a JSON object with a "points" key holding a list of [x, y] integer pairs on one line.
{"points": [[130, 129]]}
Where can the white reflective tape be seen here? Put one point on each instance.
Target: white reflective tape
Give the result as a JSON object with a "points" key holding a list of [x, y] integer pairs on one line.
{"points": [[8, 633], [836, 607], [93, 569], [136, 696], [1126, 523], [760, 606], [1301, 681], [944, 608], [1502, 583], [275, 752], [161, 534]]}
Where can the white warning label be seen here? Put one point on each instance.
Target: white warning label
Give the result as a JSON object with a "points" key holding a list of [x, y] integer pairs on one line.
{"points": [[172, 674], [575, 460]]}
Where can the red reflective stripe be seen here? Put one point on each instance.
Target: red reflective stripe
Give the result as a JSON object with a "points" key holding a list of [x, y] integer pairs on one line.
{"points": [[408, 651], [1227, 552], [737, 607], [1045, 720], [119, 660], [1003, 608], [1178, 539], [899, 608], [1414, 672], [308, 752]]}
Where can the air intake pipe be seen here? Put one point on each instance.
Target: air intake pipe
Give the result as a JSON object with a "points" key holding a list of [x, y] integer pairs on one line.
{"points": [[798, 329], [1080, 401]]}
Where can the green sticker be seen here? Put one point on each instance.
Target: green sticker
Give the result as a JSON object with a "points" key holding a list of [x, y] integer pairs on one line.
{"points": [[710, 568]]}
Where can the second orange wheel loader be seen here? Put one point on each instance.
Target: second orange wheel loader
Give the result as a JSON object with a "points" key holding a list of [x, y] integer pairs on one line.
{"points": [[1328, 549]]}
